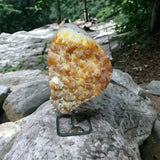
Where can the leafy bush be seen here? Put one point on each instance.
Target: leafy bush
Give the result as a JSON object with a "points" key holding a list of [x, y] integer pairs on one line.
{"points": [[134, 15], [104, 13], [26, 15], [120, 21], [135, 41], [21, 15]]}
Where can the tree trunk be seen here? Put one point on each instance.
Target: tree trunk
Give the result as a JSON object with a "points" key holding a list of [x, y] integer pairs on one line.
{"points": [[155, 17], [85, 12], [59, 11]]}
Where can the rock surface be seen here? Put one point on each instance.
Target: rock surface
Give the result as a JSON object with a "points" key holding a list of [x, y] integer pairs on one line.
{"points": [[121, 121], [27, 87], [154, 88], [20, 46], [126, 80], [102, 33], [121, 116], [14, 79], [124, 110], [8, 132], [39, 140], [24, 48], [33, 62], [157, 127], [26, 99]]}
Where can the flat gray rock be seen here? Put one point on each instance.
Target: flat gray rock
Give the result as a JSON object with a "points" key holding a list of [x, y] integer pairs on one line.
{"points": [[154, 88], [18, 47], [39, 140], [121, 121], [26, 99], [8, 132], [26, 88], [126, 111], [4, 90], [23, 48], [157, 127], [14, 79], [126, 80]]}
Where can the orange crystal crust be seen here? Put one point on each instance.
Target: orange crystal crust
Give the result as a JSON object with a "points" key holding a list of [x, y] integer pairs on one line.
{"points": [[79, 69]]}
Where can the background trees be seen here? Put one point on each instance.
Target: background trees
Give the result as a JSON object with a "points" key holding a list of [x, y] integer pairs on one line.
{"points": [[129, 14], [155, 16], [21, 15]]}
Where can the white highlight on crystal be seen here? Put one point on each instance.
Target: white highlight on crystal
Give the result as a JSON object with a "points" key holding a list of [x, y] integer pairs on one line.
{"points": [[55, 80]]}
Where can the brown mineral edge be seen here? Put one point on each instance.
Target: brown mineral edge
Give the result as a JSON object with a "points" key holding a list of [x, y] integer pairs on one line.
{"points": [[79, 68]]}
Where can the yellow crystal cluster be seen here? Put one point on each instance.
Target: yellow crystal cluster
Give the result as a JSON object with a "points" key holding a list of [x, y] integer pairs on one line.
{"points": [[79, 68]]}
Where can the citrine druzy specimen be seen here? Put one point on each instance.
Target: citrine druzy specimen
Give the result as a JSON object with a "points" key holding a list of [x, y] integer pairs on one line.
{"points": [[79, 68]]}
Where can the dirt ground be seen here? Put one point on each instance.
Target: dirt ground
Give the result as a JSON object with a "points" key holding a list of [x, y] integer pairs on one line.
{"points": [[144, 66]]}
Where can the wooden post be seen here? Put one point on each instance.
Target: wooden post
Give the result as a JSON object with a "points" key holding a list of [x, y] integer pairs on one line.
{"points": [[155, 16], [85, 12]]}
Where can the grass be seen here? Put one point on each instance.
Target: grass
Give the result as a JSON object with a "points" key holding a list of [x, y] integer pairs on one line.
{"points": [[42, 59], [13, 69]]}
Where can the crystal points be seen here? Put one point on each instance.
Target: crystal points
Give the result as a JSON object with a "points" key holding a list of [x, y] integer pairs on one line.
{"points": [[79, 68]]}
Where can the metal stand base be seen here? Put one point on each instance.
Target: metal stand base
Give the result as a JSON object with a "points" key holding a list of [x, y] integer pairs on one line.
{"points": [[72, 116]]}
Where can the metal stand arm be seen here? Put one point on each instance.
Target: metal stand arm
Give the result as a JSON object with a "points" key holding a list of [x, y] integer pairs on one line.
{"points": [[72, 116]]}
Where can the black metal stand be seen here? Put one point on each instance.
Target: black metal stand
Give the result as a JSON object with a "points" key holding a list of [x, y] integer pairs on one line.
{"points": [[72, 116]]}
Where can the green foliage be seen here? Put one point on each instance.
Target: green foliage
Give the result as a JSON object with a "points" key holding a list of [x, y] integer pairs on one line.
{"points": [[44, 4], [26, 15], [129, 15], [134, 14], [12, 69], [8, 8], [72, 10], [120, 21], [42, 59], [100, 9], [21, 15], [135, 41], [104, 14]]}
